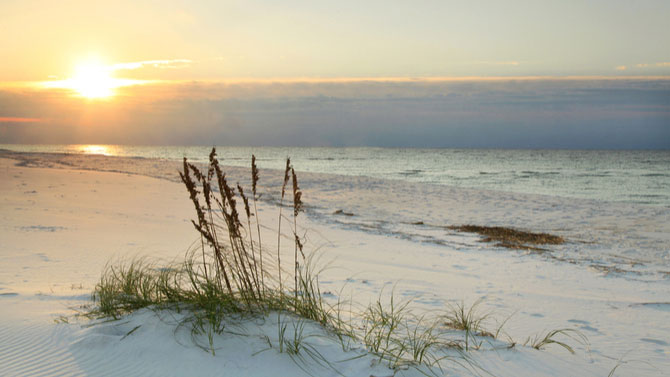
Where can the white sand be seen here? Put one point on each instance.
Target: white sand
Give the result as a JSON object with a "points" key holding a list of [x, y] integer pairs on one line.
{"points": [[58, 228]]}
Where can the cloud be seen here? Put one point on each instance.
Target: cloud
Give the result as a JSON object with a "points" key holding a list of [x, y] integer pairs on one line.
{"points": [[491, 113], [621, 68], [512, 62], [167, 64], [648, 65], [18, 120]]}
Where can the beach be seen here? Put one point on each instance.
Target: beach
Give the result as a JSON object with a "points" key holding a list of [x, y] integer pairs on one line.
{"points": [[331, 189], [64, 217]]}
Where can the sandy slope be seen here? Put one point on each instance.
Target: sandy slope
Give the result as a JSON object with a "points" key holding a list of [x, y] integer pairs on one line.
{"points": [[58, 228]]}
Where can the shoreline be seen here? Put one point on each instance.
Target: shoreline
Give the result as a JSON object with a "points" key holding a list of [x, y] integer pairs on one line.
{"points": [[631, 240]]}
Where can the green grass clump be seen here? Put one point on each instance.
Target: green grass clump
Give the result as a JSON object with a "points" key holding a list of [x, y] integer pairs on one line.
{"points": [[395, 334], [469, 321], [540, 342]]}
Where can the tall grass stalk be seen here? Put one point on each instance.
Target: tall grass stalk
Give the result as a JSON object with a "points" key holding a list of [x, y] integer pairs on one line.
{"points": [[254, 183], [297, 207], [281, 205]]}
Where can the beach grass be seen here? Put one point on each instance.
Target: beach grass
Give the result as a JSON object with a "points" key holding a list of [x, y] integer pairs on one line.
{"points": [[551, 337], [230, 276], [228, 272]]}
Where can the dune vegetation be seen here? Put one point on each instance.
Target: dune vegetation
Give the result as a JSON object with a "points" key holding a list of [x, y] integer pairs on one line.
{"points": [[233, 275]]}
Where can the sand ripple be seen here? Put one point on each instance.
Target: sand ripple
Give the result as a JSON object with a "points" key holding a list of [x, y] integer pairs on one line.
{"points": [[36, 349]]}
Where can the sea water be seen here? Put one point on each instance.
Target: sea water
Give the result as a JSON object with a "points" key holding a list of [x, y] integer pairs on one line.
{"points": [[641, 177], [613, 207]]}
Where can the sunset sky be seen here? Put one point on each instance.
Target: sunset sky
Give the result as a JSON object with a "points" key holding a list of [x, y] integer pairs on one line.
{"points": [[523, 74]]}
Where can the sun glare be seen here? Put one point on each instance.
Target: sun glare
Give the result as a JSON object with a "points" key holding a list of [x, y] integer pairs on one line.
{"points": [[106, 150], [92, 80]]}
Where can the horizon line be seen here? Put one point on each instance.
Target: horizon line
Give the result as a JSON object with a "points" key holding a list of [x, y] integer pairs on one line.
{"points": [[353, 79]]}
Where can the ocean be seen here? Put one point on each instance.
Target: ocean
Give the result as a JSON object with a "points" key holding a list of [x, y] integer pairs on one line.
{"points": [[640, 177]]}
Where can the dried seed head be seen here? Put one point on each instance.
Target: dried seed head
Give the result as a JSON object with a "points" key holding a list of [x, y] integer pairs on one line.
{"points": [[193, 193], [299, 244], [210, 170], [220, 178], [207, 192], [286, 171], [212, 155], [245, 200], [254, 175], [297, 194], [229, 194], [196, 172]]}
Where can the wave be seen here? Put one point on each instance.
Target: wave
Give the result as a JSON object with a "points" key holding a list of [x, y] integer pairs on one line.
{"points": [[540, 173], [410, 172]]}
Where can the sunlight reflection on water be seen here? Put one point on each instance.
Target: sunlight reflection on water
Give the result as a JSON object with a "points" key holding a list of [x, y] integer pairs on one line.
{"points": [[106, 150]]}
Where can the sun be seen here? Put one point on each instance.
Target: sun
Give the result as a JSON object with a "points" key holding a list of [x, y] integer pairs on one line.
{"points": [[92, 80]]}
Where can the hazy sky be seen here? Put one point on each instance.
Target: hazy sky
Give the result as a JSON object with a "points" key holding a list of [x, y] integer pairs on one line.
{"points": [[340, 72]]}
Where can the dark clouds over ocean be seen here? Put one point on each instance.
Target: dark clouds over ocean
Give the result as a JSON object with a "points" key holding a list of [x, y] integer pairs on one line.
{"points": [[505, 113]]}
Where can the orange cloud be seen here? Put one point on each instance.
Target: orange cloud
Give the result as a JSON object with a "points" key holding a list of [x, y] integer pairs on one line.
{"points": [[18, 120]]}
